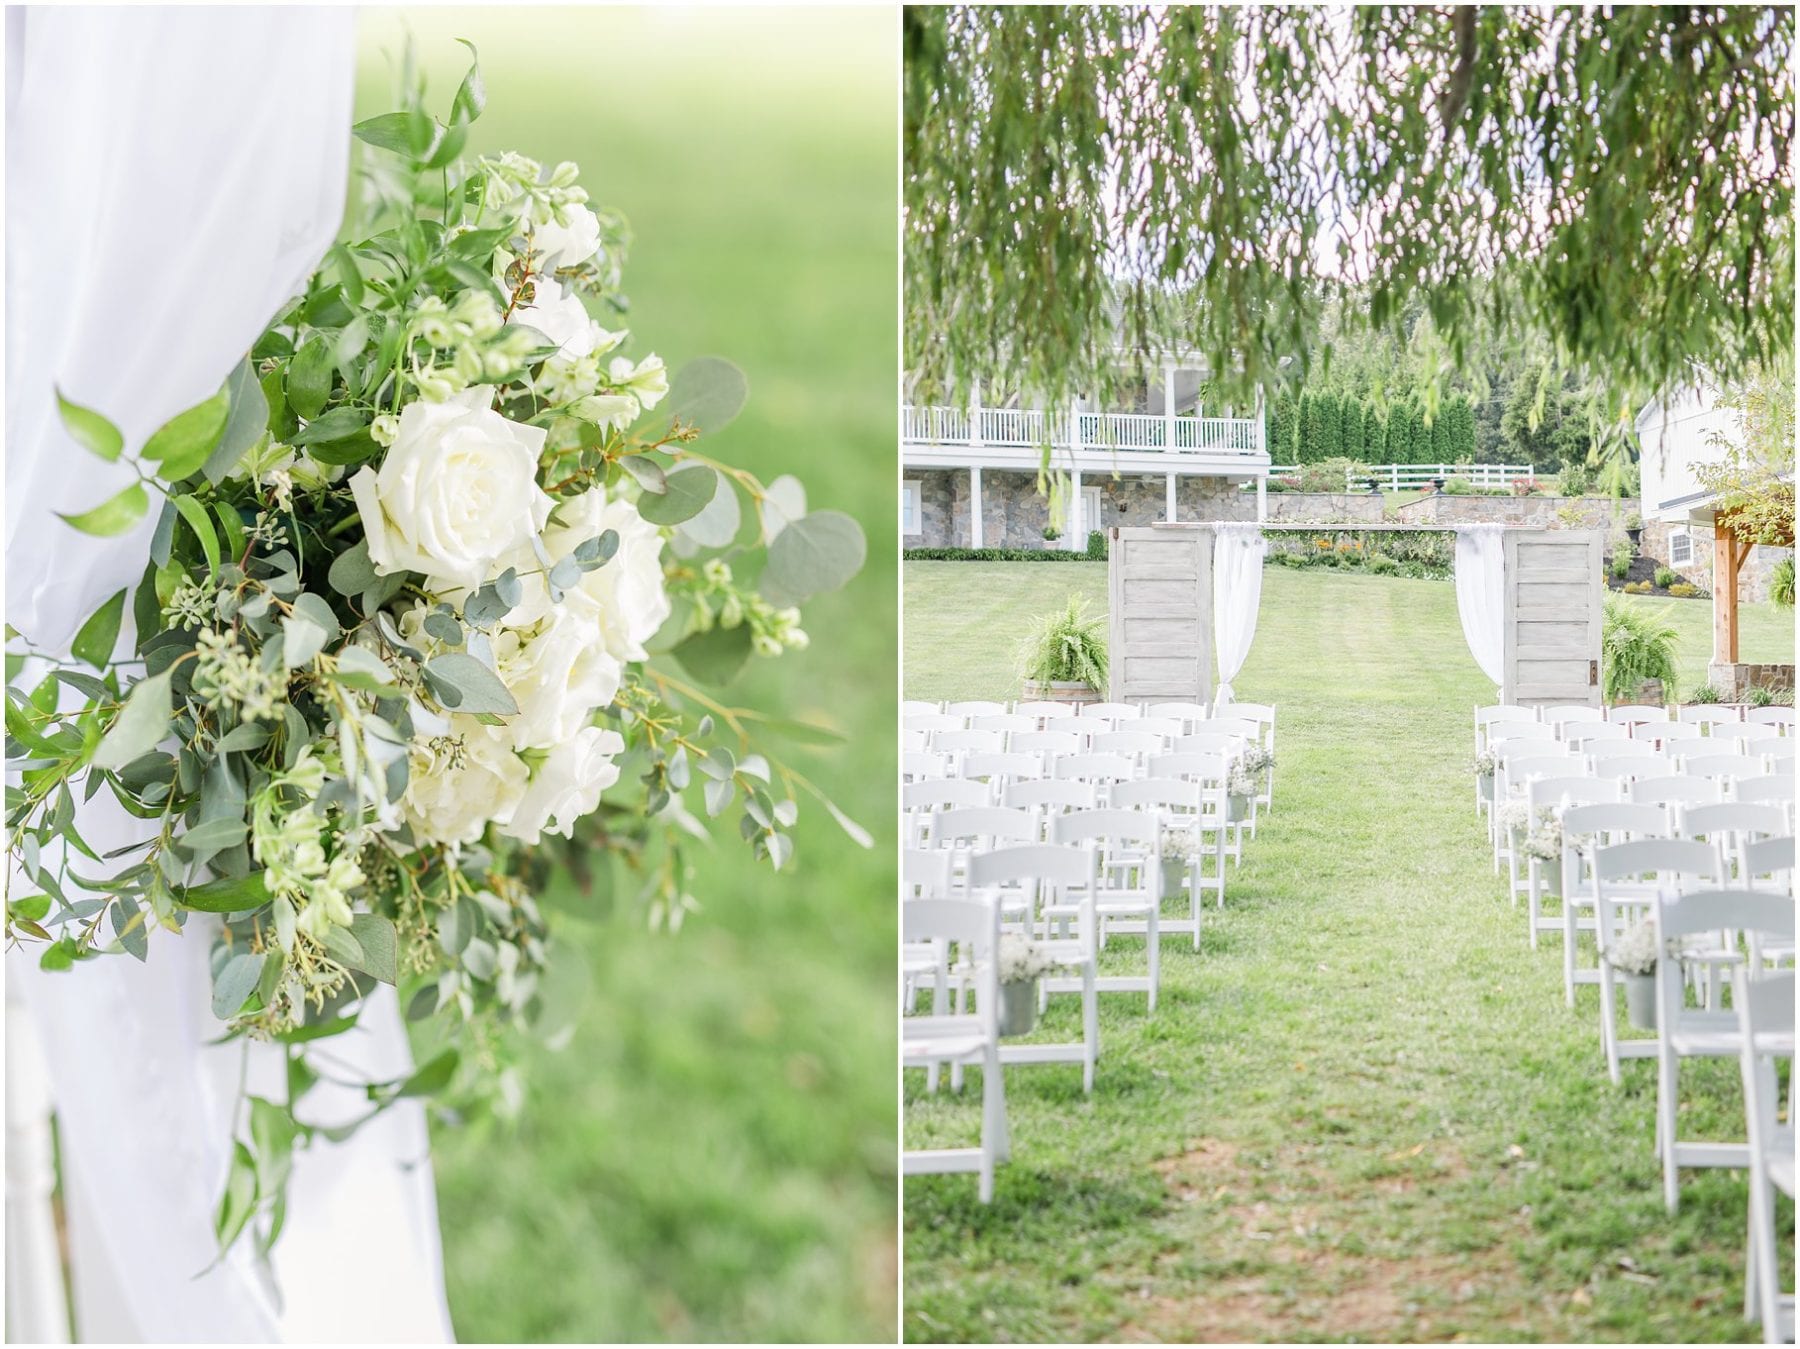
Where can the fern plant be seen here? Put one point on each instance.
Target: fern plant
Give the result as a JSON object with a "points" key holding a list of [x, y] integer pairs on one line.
{"points": [[1635, 644], [1781, 583], [1067, 646]]}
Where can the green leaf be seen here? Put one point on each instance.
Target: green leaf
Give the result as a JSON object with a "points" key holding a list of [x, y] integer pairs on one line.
{"points": [[113, 516], [433, 1077], [60, 956], [471, 97], [236, 981], [309, 378], [232, 894], [461, 682], [182, 444], [92, 431], [201, 523], [715, 656], [333, 425], [245, 424], [238, 1203], [818, 552], [100, 634], [129, 926], [351, 571], [375, 935], [708, 393], [35, 908], [344, 948], [390, 131], [686, 490], [648, 472], [307, 630], [141, 723], [211, 837]]}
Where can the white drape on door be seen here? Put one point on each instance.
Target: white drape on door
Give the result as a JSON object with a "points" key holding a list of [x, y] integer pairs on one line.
{"points": [[173, 175], [1481, 595], [1238, 551]]}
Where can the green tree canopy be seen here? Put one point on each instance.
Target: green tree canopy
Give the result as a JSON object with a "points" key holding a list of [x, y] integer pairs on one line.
{"points": [[1610, 183]]}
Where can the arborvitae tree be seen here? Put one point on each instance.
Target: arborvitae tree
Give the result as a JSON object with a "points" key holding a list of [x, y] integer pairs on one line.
{"points": [[1331, 423], [1459, 428], [1400, 434], [1283, 429], [1355, 429], [1440, 435], [1375, 438], [1312, 428]]}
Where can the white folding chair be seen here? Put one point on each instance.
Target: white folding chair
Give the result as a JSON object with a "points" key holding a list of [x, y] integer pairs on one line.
{"points": [[924, 875], [1689, 1033], [1513, 769], [1099, 769], [968, 1037], [913, 707], [1707, 714], [1780, 753], [1057, 876], [961, 743], [1132, 744], [1263, 714], [1003, 723], [1730, 826], [933, 722], [1180, 805], [1554, 794], [1183, 712], [1209, 742], [919, 800], [1632, 713], [1114, 711], [1569, 713], [1588, 733], [1586, 829], [1765, 1012], [1486, 718], [1774, 787], [916, 765], [1627, 877], [1045, 711], [1675, 793], [1752, 736], [1213, 770], [1049, 797], [1002, 769], [975, 708], [1772, 716], [1047, 745], [1629, 769], [1128, 844], [1725, 768]]}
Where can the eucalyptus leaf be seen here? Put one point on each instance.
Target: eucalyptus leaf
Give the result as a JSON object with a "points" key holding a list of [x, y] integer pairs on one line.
{"points": [[235, 981], [708, 393], [715, 656], [686, 490], [246, 423], [465, 684], [140, 725], [819, 552]]}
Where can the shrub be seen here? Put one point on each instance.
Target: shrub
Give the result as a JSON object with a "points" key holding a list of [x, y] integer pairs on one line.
{"points": [[1759, 697], [1665, 577], [1706, 693], [1781, 583], [1635, 644], [1051, 533], [1681, 590], [1096, 545], [1524, 487], [991, 555], [1572, 481], [1382, 565], [1621, 559], [1065, 646], [1459, 487], [1637, 588]]}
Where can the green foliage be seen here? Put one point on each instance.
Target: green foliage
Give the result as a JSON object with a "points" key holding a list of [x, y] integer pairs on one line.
{"points": [[1758, 696], [1049, 152], [1781, 583], [1705, 694], [1067, 646], [1682, 590], [1096, 545], [1665, 577], [1622, 555], [1635, 644], [993, 555], [1572, 480]]}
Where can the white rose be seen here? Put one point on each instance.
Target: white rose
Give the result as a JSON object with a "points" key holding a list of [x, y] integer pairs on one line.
{"points": [[451, 795], [558, 673], [567, 785], [560, 316], [456, 492], [567, 245]]}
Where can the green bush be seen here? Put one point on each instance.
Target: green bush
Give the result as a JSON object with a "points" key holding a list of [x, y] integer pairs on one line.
{"points": [[1706, 693], [1665, 577], [1621, 559], [1681, 590], [1781, 583], [1459, 487], [1065, 646], [1382, 565], [1759, 697], [992, 555], [1572, 481], [1096, 545], [1635, 644]]}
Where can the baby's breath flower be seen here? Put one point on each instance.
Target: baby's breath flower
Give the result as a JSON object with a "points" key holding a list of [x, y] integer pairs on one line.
{"points": [[191, 606], [229, 677]]}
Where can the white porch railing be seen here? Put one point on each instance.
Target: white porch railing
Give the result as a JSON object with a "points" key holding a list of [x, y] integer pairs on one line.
{"points": [[1412, 477], [1130, 431]]}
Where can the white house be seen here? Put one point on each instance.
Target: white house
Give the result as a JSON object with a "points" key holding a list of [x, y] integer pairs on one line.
{"points": [[970, 475]]}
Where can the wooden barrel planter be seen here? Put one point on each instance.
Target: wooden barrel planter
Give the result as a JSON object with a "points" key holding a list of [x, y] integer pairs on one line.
{"points": [[1059, 691]]}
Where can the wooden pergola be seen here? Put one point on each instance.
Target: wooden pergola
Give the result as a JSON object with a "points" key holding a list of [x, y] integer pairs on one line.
{"points": [[1729, 552]]}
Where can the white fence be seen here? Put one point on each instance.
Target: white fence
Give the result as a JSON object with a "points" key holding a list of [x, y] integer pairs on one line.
{"points": [[1031, 429], [1414, 477]]}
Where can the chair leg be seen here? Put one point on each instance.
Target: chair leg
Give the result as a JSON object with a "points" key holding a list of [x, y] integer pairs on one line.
{"points": [[1195, 868], [1569, 942], [1533, 900], [1090, 1026], [1609, 1025], [1153, 939], [1668, 1068]]}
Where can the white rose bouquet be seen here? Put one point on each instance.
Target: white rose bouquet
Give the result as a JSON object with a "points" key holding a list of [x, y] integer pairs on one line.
{"points": [[1247, 770], [1635, 950], [1021, 959], [390, 659]]}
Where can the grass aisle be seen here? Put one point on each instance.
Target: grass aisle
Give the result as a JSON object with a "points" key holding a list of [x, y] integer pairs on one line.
{"points": [[1361, 1111]]}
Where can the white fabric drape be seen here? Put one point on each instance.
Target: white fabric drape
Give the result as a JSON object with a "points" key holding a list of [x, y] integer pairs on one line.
{"points": [[173, 174], [1481, 595], [1238, 551]]}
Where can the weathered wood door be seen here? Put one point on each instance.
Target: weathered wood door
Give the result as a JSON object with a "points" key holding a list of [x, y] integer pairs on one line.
{"points": [[1160, 592], [1555, 584]]}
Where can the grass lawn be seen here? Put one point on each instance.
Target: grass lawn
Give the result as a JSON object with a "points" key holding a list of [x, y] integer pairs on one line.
{"points": [[1361, 1110], [712, 1157]]}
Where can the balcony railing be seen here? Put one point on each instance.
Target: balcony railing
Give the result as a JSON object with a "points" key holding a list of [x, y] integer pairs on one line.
{"points": [[1009, 428]]}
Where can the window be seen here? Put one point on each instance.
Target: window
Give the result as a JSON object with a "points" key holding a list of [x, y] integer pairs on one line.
{"points": [[911, 526], [1681, 548]]}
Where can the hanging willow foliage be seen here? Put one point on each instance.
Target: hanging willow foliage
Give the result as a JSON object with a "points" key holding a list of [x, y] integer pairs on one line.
{"points": [[1612, 183]]}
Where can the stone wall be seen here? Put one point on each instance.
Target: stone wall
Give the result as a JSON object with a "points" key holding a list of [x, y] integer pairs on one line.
{"points": [[1014, 515], [1538, 512], [1360, 508]]}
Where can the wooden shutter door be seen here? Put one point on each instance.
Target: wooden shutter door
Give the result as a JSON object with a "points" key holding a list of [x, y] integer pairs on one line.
{"points": [[1555, 582], [1160, 592]]}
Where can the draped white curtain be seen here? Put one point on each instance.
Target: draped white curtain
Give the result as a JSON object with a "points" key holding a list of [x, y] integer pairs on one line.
{"points": [[1481, 595], [1238, 551], [173, 174]]}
